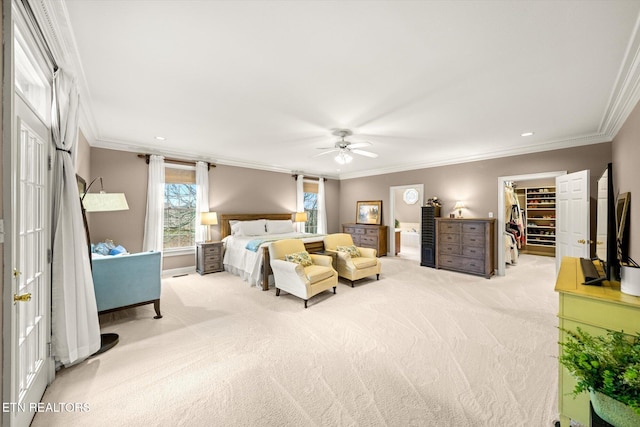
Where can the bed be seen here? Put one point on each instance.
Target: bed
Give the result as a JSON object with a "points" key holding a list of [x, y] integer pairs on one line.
{"points": [[252, 265]]}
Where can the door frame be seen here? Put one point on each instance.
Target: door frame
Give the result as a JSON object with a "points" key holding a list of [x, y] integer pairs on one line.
{"points": [[14, 14], [392, 208], [500, 218]]}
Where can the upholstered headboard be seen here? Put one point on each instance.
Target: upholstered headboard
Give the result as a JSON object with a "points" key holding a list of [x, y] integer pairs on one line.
{"points": [[225, 228]]}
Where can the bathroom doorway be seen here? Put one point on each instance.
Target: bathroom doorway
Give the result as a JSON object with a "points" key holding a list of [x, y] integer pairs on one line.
{"points": [[404, 228]]}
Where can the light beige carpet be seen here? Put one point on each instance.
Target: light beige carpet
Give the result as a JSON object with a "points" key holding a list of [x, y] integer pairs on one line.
{"points": [[419, 347]]}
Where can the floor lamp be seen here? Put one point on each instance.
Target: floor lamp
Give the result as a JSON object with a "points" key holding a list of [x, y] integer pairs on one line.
{"points": [[101, 202]]}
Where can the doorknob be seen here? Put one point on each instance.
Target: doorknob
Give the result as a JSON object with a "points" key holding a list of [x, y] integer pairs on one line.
{"points": [[582, 241], [599, 243], [22, 298], [16, 273]]}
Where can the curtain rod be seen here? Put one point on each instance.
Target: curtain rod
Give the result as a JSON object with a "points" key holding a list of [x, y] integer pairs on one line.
{"points": [[176, 161], [40, 34], [295, 176]]}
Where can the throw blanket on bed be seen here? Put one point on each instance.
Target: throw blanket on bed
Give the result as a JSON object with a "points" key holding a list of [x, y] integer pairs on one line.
{"points": [[254, 244]]}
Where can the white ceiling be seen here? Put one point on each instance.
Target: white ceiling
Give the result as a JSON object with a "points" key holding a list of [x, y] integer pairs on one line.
{"points": [[262, 83]]}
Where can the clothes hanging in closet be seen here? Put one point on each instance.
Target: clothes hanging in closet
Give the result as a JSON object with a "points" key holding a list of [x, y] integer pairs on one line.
{"points": [[513, 215]]}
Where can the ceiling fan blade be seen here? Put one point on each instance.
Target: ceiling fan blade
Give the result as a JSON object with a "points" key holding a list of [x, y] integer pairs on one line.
{"points": [[365, 153], [360, 144], [327, 152]]}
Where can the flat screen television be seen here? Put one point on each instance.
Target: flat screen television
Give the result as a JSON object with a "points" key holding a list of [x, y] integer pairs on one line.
{"points": [[606, 230]]}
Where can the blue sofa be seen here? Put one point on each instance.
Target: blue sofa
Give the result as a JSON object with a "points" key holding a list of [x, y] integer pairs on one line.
{"points": [[124, 281]]}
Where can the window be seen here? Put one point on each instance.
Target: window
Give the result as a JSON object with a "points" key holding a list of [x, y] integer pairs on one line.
{"points": [[179, 207], [311, 206]]}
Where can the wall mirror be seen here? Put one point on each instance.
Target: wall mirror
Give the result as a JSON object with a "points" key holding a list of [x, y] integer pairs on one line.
{"points": [[622, 225]]}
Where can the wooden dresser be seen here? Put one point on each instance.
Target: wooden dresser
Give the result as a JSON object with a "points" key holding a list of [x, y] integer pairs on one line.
{"points": [[466, 245], [208, 257], [595, 309], [368, 236]]}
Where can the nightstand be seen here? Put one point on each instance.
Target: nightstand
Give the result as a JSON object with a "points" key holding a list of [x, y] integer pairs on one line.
{"points": [[208, 257]]}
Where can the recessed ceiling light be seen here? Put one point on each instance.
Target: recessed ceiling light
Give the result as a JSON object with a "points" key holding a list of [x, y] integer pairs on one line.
{"points": [[526, 134], [160, 138]]}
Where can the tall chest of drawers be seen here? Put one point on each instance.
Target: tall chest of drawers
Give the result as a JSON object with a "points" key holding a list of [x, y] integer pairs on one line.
{"points": [[368, 236], [209, 257], [428, 235], [466, 245]]}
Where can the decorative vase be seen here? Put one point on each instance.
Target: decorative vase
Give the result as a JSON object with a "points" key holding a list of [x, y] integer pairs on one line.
{"points": [[614, 412]]}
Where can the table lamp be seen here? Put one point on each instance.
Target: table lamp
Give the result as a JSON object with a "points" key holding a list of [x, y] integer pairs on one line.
{"points": [[209, 219], [459, 206]]}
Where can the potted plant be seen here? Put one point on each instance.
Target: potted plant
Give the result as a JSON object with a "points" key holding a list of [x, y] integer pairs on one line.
{"points": [[608, 367]]}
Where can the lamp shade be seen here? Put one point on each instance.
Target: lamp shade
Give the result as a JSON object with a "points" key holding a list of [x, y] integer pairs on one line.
{"points": [[300, 217], [209, 218], [459, 205], [104, 202]]}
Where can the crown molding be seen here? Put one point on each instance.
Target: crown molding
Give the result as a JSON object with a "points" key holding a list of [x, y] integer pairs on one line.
{"points": [[136, 148], [626, 90], [53, 19], [545, 146]]}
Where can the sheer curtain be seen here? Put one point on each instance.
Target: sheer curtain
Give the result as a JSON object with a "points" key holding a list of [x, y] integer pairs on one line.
{"points": [[322, 210], [74, 313], [154, 219], [300, 200], [202, 198]]}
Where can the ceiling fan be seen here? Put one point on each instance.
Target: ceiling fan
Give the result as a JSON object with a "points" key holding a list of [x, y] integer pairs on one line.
{"points": [[345, 148]]}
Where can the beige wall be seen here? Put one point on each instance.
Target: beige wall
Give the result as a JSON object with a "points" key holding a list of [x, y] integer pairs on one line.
{"points": [[231, 190], [121, 172], [626, 174], [404, 212], [474, 183]]}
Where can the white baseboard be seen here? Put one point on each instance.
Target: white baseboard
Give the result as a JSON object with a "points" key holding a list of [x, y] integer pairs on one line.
{"points": [[179, 271]]}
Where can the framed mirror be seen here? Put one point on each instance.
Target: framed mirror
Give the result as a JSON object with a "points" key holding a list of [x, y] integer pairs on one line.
{"points": [[622, 226]]}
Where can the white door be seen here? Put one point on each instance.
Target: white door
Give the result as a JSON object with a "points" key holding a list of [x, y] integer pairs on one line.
{"points": [[31, 365], [572, 213], [601, 218]]}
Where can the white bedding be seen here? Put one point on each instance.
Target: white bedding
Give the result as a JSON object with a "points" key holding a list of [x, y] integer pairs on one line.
{"points": [[248, 264]]}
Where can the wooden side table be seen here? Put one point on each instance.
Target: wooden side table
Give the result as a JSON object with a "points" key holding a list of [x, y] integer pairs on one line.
{"points": [[208, 257], [333, 255]]}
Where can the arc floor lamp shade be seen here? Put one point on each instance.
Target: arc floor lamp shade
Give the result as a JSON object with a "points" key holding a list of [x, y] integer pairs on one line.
{"points": [[104, 202]]}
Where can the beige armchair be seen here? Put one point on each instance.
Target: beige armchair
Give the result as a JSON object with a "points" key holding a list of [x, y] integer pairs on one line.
{"points": [[350, 267], [297, 279]]}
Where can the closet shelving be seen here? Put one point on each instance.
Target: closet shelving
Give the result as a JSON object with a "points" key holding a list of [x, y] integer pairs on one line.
{"points": [[541, 216]]}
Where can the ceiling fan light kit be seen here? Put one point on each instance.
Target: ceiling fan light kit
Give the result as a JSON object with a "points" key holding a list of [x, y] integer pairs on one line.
{"points": [[343, 158], [345, 148]]}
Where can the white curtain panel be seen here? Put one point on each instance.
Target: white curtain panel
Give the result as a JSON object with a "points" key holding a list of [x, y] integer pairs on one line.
{"points": [[300, 200], [74, 313], [154, 219], [322, 210], [202, 199]]}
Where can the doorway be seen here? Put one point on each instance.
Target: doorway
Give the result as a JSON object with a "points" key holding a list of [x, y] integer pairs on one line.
{"points": [[28, 365], [501, 221], [405, 202]]}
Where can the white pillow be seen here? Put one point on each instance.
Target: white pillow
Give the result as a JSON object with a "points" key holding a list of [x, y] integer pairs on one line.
{"points": [[252, 228], [234, 226], [276, 226]]}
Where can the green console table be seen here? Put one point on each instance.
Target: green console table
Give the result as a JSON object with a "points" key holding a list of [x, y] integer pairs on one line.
{"points": [[594, 309]]}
